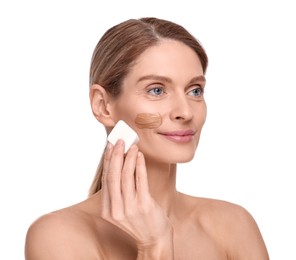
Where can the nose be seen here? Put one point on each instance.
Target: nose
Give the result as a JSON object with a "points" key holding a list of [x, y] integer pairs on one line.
{"points": [[181, 108]]}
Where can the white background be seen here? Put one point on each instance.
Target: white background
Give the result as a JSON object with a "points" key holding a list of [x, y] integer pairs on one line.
{"points": [[50, 143]]}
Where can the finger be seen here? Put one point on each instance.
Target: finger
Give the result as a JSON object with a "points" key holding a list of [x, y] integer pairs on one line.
{"points": [[106, 162], [107, 157], [128, 175], [113, 177], [142, 187]]}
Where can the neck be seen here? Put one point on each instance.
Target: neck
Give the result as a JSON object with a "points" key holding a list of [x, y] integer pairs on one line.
{"points": [[162, 184]]}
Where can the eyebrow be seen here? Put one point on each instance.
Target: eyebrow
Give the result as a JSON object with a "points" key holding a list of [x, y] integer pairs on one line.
{"points": [[200, 78]]}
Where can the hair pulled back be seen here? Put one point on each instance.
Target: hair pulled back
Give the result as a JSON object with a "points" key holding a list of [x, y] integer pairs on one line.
{"points": [[119, 48]]}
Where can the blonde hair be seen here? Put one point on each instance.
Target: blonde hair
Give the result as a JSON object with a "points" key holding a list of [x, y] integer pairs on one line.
{"points": [[120, 46]]}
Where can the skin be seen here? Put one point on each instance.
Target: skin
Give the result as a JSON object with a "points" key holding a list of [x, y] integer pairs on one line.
{"points": [[148, 120], [138, 213]]}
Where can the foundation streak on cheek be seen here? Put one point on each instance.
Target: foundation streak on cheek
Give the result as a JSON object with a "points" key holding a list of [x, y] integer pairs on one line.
{"points": [[148, 120]]}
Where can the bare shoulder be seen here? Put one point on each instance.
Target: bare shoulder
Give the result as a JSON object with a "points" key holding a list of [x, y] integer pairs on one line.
{"points": [[232, 226], [63, 234]]}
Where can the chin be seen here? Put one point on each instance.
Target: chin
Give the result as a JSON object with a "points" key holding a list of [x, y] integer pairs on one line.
{"points": [[170, 158], [184, 159], [169, 154]]}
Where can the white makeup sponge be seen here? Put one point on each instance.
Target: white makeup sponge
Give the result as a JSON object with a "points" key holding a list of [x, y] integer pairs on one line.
{"points": [[123, 131]]}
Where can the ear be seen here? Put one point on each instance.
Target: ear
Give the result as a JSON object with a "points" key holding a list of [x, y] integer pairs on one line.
{"points": [[100, 105]]}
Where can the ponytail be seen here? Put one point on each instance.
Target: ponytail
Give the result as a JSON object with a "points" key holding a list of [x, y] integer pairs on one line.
{"points": [[97, 181]]}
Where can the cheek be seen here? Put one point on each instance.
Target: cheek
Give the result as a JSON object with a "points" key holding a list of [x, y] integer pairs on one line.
{"points": [[125, 112], [201, 114], [205, 112], [148, 120]]}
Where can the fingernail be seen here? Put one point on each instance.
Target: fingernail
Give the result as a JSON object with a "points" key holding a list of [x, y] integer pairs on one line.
{"points": [[133, 147], [119, 143]]}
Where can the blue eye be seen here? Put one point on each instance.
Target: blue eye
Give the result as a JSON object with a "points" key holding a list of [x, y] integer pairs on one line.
{"points": [[156, 91], [197, 92]]}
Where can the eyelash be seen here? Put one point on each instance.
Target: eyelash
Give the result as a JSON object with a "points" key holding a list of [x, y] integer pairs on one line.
{"points": [[199, 88], [150, 91]]}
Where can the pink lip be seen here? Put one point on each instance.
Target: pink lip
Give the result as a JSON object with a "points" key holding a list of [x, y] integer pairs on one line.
{"points": [[183, 136]]}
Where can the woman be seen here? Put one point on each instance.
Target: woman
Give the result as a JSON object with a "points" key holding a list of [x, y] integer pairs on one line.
{"points": [[151, 74]]}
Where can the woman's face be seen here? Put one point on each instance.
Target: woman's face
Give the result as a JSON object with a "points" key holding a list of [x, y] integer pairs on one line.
{"points": [[167, 80]]}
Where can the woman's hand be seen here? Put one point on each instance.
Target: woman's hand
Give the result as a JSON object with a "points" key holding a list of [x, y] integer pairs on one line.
{"points": [[127, 203]]}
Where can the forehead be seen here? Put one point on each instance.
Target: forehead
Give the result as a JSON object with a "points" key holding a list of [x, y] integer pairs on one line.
{"points": [[168, 58]]}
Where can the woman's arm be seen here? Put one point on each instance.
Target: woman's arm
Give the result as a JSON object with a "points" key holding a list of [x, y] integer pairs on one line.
{"points": [[127, 203], [161, 249], [239, 232], [55, 236], [249, 243]]}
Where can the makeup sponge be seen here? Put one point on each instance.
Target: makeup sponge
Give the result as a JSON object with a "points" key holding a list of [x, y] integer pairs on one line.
{"points": [[123, 131]]}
